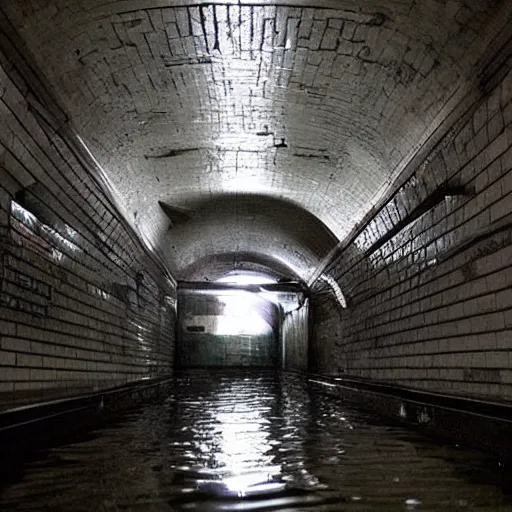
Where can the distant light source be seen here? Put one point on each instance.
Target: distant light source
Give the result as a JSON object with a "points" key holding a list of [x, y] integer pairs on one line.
{"points": [[241, 316]]}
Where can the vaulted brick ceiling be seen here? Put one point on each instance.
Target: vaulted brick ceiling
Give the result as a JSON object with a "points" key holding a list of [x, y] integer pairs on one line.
{"points": [[253, 135]]}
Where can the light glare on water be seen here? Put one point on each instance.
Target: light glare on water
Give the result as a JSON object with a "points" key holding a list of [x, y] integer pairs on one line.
{"points": [[255, 440]]}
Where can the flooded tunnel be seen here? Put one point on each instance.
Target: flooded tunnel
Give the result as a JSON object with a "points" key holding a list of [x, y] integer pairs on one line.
{"points": [[229, 324], [255, 255]]}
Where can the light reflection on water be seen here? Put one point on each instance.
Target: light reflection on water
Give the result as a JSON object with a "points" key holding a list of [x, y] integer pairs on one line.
{"points": [[221, 436]]}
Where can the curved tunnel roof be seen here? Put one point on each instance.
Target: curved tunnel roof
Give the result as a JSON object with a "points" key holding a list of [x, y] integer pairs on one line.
{"points": [[253, 135], [254, 232]]}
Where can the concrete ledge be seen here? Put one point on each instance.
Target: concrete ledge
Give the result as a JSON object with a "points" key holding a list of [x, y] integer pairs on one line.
{"points": [[45, 424], [73, 389], [471, 422]]}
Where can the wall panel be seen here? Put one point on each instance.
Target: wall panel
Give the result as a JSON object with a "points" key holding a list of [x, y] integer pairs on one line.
{"points": [[432, 306], [83, 304]]}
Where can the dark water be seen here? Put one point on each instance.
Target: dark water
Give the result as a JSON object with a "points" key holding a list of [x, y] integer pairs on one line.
{"points": [[263, 437]]}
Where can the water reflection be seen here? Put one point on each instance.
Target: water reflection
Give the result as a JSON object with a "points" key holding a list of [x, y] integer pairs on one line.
{"points": [[255, 441]]}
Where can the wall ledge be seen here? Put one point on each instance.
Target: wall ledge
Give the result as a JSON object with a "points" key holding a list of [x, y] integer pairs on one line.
{"points": [[474, 422], [45, 424]]}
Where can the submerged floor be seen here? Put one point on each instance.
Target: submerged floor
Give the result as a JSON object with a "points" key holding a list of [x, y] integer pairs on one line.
{"points": [[266, 435]]}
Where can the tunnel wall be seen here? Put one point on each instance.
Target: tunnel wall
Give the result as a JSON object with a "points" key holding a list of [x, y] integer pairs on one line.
{"points": [[83, 306], [326, 320], [430, 307], [295, 338], [206, 349]]}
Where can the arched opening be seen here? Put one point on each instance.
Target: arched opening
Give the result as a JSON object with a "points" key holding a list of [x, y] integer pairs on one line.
{"points": [[244, 319]]}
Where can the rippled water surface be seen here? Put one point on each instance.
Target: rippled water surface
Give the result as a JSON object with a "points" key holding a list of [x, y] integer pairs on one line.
{"points": [[255, 441]]}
